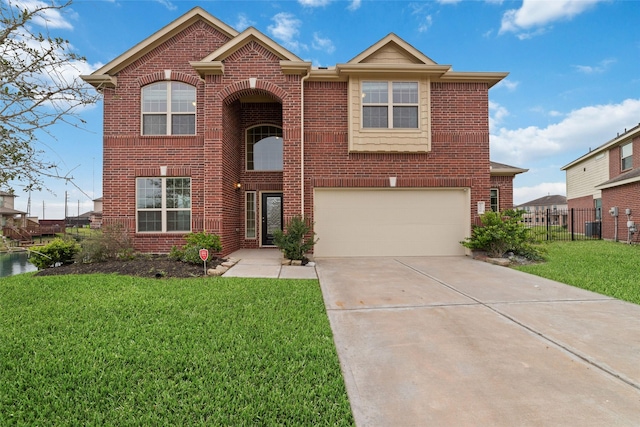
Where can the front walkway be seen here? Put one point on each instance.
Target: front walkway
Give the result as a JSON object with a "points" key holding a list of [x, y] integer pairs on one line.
{"points": [[267, 263]]}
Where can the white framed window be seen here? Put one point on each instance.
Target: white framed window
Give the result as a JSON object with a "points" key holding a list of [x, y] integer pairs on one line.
{"points": [[494, 200], [163, 205], [250, 215], [264, 148], [169, 108], [626, 156], [390, 105]]}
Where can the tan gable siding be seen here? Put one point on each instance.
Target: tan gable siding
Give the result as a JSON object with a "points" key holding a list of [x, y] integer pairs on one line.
{"points": [[584, 176], [390, 54]]}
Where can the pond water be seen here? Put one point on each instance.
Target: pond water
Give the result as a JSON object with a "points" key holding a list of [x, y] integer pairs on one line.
{"points": [[15, 263]]}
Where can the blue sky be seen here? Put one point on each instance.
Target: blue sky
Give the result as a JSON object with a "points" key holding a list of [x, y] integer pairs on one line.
{"points": [[574, 67]]}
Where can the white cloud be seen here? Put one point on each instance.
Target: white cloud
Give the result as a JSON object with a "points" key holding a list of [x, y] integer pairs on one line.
{"points": [[49, 18], [355, 5], [325, 45], [510, 85], [525, 194], [534, 14], [285, 29], [243, 22], [496, 114], [586, 127], [601, 67], [314, 3], [426, 24]]}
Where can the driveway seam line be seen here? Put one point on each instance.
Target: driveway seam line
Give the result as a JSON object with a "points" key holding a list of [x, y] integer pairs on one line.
{"points": [[530, 329]]}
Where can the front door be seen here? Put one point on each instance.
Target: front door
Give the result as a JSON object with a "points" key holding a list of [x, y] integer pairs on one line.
{"points": [[271, 216]]}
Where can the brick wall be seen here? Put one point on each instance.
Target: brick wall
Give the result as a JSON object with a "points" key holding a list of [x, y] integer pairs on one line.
{"points": [[624, 197], [215, 157], [504, 184]]}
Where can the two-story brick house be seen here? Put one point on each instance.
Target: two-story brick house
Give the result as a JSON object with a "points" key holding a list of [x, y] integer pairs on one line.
{"points": [[608, 179], [206, 128]]}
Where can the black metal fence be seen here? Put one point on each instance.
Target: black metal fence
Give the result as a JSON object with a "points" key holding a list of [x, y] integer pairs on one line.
{"points": [[565, 224]]}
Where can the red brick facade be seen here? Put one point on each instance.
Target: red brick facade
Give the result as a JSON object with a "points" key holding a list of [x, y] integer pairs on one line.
{"points": [[214, 158]]}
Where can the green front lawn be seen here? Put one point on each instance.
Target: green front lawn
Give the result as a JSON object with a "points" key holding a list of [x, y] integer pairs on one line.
{"points": [[118, 350], [608, 268]]}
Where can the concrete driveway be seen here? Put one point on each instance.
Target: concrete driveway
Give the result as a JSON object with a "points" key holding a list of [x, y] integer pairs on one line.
{"points": [[454, 342]]}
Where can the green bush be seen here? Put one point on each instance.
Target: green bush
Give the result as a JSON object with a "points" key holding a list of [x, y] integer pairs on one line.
{"points": [[57, 252], [503, 232], [113, 243], [297, 240], [190, 252]]}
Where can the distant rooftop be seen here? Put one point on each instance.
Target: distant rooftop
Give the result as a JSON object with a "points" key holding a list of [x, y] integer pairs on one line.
{"points": [[546, 201]]}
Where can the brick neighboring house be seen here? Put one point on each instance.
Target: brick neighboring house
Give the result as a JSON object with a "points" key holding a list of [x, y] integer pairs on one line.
{"points": [[607, 178], [206, 128]]}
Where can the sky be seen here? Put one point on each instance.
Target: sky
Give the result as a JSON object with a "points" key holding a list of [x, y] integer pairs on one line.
{"points": [[573, 83]]}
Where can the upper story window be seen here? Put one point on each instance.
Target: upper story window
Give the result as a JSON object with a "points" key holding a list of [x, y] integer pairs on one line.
{"points": [[626, 154], [163, 204], [264, 148], [169, 108], [391, 105]]}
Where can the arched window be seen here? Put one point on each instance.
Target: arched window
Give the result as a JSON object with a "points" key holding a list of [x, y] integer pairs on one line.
{"points": [[169, 108], [264, 148]]}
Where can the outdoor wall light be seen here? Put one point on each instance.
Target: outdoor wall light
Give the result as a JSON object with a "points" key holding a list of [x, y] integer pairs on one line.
{"points": [[237, 185]]}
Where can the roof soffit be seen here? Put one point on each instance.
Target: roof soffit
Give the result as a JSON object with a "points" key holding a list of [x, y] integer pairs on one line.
{"points": [[394, 56], [194, 15]]}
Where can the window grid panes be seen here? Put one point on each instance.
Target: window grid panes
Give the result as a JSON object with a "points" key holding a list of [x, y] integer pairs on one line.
{"points": [[400, 113], [264, 148], [163, 204], [168, 108], [494, 200], [627, 156], [250, 215]]}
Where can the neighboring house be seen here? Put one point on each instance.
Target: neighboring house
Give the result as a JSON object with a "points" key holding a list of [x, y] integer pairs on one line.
{"points": [[10, 217], [608, 179], [546, 210], [206, 128]]}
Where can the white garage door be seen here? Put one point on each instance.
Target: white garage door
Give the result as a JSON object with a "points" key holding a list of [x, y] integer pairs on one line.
{"points": [[390, 221]]}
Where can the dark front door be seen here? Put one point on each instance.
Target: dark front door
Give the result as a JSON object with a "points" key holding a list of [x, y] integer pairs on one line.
{"points": [[271, 216]]}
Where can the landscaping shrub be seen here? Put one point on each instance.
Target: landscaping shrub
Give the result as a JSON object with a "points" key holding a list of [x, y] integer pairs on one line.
{"points": [[57, 252], [504, 232], [113, 243], [296, 240], [190, 252]]}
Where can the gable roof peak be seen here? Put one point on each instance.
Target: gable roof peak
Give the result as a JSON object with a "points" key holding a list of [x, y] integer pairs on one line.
{"points": [[240, 40], [399, 44]]}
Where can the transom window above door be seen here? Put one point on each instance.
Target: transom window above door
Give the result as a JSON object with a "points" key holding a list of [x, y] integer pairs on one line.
{"points": [[391, 105], [169, 108], [264, 148]]}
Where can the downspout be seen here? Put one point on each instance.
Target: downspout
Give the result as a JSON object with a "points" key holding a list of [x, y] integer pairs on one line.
{"points": [[302, 141]]}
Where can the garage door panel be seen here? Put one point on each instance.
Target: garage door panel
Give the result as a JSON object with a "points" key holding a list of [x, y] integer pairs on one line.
{"points": [[390, 222]]}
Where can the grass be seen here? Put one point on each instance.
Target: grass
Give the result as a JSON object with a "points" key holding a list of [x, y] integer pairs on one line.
{"points": [[608, 268], [118, 350]]}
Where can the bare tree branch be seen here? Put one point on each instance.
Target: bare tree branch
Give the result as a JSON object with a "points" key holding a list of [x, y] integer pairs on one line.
{"points": [[39, 87]]}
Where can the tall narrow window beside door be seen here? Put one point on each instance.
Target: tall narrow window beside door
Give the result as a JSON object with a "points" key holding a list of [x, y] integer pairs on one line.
{"points": [[250, 215]]}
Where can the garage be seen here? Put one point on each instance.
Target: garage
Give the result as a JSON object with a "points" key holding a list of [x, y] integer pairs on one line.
{"points": [[390, 221]]}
